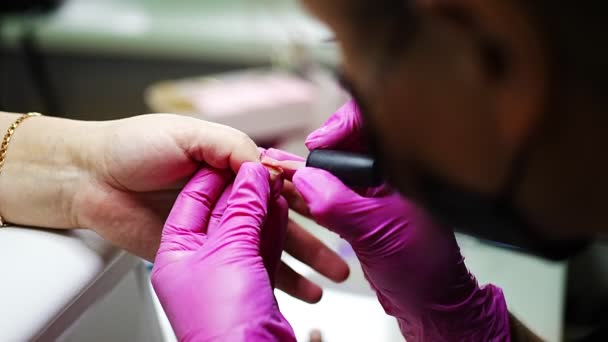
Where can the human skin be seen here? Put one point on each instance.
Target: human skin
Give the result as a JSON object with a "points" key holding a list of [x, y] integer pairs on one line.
{"points": [[438, 103], [219, 252], [120, 179], [461, 97]]}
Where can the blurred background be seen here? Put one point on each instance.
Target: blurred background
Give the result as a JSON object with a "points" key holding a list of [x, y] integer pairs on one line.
{"points": [[264, 67]]}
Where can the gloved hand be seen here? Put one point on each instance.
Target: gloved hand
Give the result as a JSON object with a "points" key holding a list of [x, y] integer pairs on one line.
{"points": [[413, 264], [220, 248]]}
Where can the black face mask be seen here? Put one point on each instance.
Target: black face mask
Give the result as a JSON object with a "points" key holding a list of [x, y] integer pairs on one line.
{"points": [[493, 218]]}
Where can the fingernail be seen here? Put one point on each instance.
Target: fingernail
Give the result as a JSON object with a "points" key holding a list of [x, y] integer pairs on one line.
{"points": [[262, 153], [268, 161], [273, 168], [275, 172], [290, 167], [276, 180]]}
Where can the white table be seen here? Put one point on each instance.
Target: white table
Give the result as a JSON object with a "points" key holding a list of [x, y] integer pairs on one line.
{"points": [[534, 291], [229, 30], [50, 278]]}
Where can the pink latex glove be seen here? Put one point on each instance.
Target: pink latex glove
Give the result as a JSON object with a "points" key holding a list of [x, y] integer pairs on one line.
{"points": [[219, 251], [414, 265]]}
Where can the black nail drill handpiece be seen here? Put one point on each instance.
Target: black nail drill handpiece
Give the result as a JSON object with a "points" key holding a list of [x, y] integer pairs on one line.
{"points": [[353, 169]]}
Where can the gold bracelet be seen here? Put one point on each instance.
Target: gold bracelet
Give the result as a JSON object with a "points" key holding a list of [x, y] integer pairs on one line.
{"points": [[6, 140]]}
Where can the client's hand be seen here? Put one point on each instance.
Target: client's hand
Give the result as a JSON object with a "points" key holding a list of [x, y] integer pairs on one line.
{"points": [[139, 165], [219, 250], [414, 264]]}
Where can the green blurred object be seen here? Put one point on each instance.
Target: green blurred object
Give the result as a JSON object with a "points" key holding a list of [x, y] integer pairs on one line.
{"points": [[98, 56], [233, 30]]}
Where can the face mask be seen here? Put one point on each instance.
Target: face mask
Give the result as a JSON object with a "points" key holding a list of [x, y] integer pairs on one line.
{"points": [[493, 218]]}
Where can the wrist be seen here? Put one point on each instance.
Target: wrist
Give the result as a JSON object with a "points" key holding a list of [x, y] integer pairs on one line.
{"points": [[483, 316], [272, 328], [47, 160]]}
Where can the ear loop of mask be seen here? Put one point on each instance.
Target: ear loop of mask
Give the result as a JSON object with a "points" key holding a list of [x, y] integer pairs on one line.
{"points": [[515, 178], [506, 205]]}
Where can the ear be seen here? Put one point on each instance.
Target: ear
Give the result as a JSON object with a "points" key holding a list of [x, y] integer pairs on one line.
{"points": [[511, 46]]}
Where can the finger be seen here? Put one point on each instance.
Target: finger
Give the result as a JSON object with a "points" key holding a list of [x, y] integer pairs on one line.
{"points": [[219, 146], [281, 155], [379, 191], [305, 247], [290, 163], [332, 204], [190, 214], [218, 210], [196, 199], [295, 200], [246, 208], [295, 285], [343, 131], [293, 197], [286, 161], [273, 235]]}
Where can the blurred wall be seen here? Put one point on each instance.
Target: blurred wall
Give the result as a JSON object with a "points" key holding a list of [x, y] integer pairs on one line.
{"points": [[89, 87]]}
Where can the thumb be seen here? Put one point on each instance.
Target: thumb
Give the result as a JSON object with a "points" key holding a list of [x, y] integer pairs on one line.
{"points": [[333, 204], [246, 209], [187, 223], [342, 131]]}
